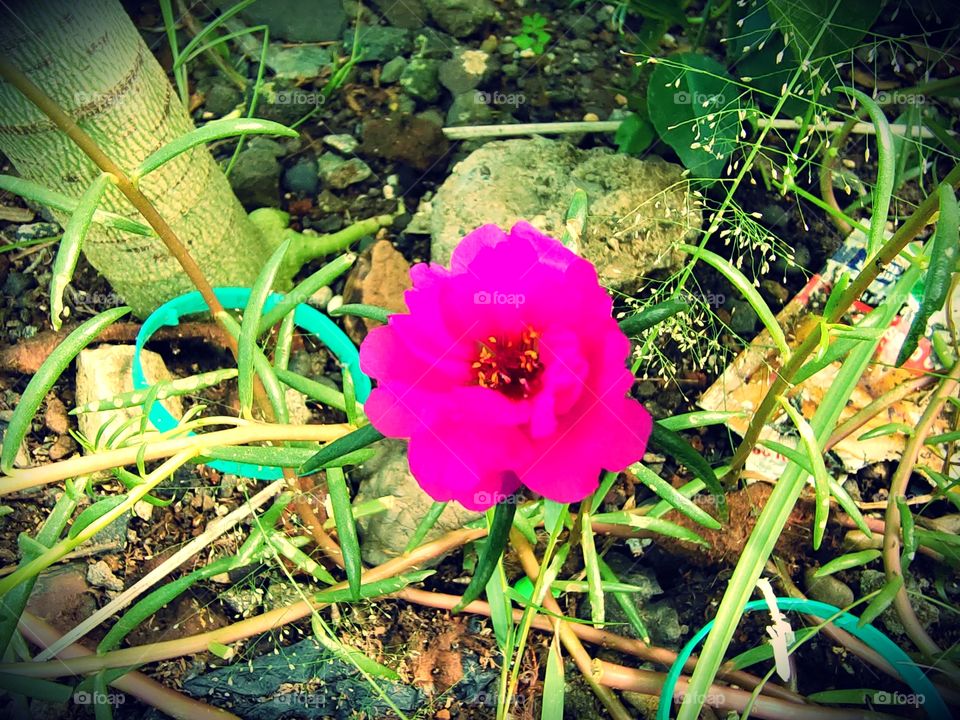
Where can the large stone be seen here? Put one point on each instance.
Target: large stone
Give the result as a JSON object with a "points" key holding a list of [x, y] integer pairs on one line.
{"points": [[298, 20], [339, 173], [409, 14], [420, 79], [465, 70], [385, 534], [105, 372], [379, 43], [255, 177], [461, 18], [638, 209], [299, 62]]}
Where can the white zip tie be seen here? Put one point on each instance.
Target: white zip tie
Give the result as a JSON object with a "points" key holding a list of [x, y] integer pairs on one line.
{"points": [[780, 632]]}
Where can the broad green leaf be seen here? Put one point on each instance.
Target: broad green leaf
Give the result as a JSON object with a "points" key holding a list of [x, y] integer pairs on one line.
{"points": [[694, 104], [634, 135]]}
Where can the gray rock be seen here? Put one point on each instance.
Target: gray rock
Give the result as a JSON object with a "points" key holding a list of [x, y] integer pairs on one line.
{"points": [[639, 209], [461, 18], [392, 70], [283, 102], [17, 283], [419, 79], [255, 177], [379, 43], [300, 62], [297, 20], [36, 231], [220, 96], [470, 108], [105, 372], [302, 177], [339, 173], [743, 318], [465, 70], [578, 24], [409, 14], [385, 535], [342, 143], [827, 589]]}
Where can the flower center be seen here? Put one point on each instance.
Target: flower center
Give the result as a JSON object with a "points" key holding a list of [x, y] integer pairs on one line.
{"points": [[510, 366]]}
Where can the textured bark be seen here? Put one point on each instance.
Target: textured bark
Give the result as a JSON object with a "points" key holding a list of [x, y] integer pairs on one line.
{"points": [[88, 56]]}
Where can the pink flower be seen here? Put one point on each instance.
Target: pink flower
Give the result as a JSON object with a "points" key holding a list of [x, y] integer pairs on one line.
{"points": [[508, 370]]}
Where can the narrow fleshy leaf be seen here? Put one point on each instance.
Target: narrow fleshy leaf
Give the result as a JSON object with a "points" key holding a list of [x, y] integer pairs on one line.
{"points": [[503, 514], [46, 376], [215, 130], [346, 527], [71, 244]]}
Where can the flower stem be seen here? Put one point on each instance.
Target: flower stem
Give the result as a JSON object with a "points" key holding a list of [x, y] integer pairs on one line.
{"points": [[570, 641]]}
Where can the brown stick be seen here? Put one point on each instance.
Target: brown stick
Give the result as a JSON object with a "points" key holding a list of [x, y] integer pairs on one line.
{"points": [[87, 464], [722, 698], [174, 704], [571, 642], [265, 622], [891, 537]]}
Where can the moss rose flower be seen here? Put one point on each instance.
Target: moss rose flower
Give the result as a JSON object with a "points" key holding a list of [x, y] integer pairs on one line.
{"points": [[508, 370]]}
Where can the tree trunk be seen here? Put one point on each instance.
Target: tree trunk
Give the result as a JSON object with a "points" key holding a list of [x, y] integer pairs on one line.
{"points": [[88, 56]]}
